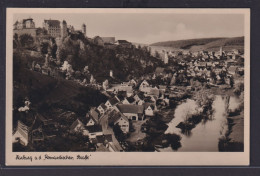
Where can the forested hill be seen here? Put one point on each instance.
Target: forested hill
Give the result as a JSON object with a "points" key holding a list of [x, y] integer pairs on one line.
{"points": [[124, 62], [203, 43]]}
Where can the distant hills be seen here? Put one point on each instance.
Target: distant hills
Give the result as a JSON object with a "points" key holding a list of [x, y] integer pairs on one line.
{"points": [[209, 44]]}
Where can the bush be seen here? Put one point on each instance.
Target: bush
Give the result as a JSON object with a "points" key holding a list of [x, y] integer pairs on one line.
{"points": [[174, 140], [26, 40]]}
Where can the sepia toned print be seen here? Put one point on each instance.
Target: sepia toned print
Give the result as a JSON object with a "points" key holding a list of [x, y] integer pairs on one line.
{"points": [[110, 83]]}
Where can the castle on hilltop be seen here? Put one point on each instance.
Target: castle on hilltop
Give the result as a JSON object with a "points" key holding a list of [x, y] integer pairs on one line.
{"points": [[25, 26], [54, 28]]}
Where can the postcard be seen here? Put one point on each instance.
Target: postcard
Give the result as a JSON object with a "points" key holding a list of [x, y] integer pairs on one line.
{"points": [[127, 87]]}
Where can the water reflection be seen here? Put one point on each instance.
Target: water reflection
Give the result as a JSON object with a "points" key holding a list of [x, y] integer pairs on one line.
{"points": [[205, 135]]}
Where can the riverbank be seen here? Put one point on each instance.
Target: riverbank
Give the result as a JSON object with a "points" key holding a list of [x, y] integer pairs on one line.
{"points": [[234, 140]]}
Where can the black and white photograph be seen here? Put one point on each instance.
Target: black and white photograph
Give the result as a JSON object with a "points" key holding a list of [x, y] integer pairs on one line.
{"points": [[129, 81]]}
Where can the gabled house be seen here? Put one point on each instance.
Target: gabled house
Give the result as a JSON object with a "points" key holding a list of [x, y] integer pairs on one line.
{"points": [[78, 127], [132, 82], [21, 134], [125, 101], [140, 102], [94, 131], [101, 108], [104, 143], [91, 121], [133, 112], [232, 70], [94, 115], [118, 118], [111, 102], [143, 85], [149, 109]]}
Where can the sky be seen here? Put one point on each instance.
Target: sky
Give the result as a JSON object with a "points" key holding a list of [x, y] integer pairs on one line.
{"points": [[149, 28]]}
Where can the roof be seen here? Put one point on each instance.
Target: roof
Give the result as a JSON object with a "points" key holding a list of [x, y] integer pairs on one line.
{"points": [[114, 116], [154, 91], [76, 123], [130, 99], [159, 70], [162, 87], [128, 89], [108, 39], [94, 114], [103, 138], [103, 105], [146, 105], [113, 101], [232, 68], [22, 129], [123, 42], [130, 108], [94, 128], [202, 64], [53, 23]]}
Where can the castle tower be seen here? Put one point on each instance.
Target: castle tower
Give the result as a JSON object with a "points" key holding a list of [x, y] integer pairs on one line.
{"points": [[64, 31], [111, 73], [84, 29], [221, 51]]}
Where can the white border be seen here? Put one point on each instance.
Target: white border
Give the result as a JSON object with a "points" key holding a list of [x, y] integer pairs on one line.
{"points": [[129, 158]]}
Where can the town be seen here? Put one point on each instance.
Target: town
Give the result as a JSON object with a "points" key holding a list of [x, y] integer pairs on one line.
{"points": [[125, 100]]}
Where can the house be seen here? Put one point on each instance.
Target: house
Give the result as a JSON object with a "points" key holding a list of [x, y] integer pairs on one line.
{"points": [[129, 100], [78, 127], [37, 135], [21, 134], [143, 85], [133, 112], [125, 101], [115, 117], [124, 43], [153, 92], [108, 40], [102, 108], [149, 109], [94, 114], [43, 128], [127, 89], [137, 98], [111, 102], [98, 41], [132, 82], [94, 131], [159, 71], [91, 121], [104, 143], [232, 70], [140, 102]]}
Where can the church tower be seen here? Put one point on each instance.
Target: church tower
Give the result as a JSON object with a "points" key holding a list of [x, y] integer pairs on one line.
{"points": [[221, 51], [64, 31], [84, 29]]}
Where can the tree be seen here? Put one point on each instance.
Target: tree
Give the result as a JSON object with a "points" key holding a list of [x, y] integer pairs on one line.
{"points": [[44, 47], [118, 133], [26, 40], [174, 140]]}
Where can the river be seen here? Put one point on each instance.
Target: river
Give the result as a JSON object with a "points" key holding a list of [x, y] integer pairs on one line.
{"points": [[205, 136]]}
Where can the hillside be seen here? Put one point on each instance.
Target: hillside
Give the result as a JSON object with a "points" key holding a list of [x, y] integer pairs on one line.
{"points": [[47, 93], [209, 44], [124, 62]]}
